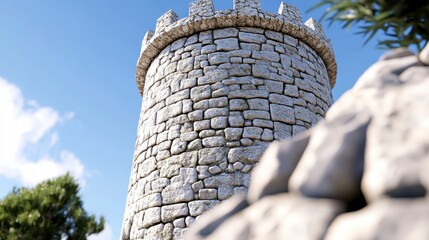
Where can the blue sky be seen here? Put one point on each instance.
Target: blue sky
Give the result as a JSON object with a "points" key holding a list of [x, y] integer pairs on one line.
{"points": [[68, 98]]}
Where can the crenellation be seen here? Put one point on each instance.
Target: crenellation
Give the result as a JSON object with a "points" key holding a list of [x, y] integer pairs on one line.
{"points": [[315, 26], [201, 8], [290, 12], [166, 20], [146, 39], [247, 7]]}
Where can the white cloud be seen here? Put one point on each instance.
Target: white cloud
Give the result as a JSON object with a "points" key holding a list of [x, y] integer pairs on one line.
{"points": [[25, 126], [106, 234]]}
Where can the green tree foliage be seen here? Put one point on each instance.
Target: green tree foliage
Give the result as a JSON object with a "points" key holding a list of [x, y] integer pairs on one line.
{"points": [[52, 210], [404, 22]]}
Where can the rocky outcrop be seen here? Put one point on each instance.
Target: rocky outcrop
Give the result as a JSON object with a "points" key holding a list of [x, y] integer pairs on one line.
{"points": [[362, 173]]}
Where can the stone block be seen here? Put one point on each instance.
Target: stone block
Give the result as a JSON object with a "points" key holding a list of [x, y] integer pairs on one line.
{"points": [[211, 142], [252, 132], [280, 99], [282, 131], [215, 169], [236, 121], [282, 113], [302, 114], [261, 71], [246, 155], [202, 125], [225, 33], [218, 58], [219, 122], [151, 217], [238, 104], [178, 146], [210, 156], [169, 213], [256, 114], [196, 208], [266, 56], [263, 123], [247, 94], [232, 134], [251, 37], [225, 192], [258, 104], [226, 44], [185, 65], [208, 194], [200, 93], [177, 192], [218, 102], [215, 112]]}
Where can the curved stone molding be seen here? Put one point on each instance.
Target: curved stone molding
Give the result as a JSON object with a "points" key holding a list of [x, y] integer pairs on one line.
{"points": [[247, 13]]}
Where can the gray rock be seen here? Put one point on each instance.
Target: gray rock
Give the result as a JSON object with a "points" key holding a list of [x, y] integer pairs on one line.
{"points": [[394, 219], [200, 93], [282, 113], [152, 216], [219, 122], [177, 192], [178, 146], [256, 114], [288, 217], [276, 167], [208, 194], [258, 104], [226, 44], [281, 99], [215, 169], [225, 33], [246, 154], [179, 223], [238, 104], [236, 121], [267, 135], [169, 213], [251, 37], [218, 58], [248, 94], [225, 192], [196, 208], [215, 112], [211, 142], [232, 134], [210, 156], [252, 132]]}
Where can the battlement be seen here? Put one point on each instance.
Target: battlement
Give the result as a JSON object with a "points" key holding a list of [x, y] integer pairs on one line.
{"points": [[201, 8], [290, 12], [245, 13]]}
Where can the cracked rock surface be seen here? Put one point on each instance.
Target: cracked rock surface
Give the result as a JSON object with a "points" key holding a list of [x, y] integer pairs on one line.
{"points": [[362, 173]]}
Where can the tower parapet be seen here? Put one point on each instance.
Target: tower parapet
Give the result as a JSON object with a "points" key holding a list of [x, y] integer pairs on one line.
{"points": [[201, 8], [217, 87], [202, 17]]}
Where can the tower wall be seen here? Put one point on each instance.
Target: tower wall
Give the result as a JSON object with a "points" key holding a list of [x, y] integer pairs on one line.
{"points": [[217, 88]]}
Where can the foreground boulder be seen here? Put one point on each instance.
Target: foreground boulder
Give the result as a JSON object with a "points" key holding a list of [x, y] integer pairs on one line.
{"points": [[362, 173]]}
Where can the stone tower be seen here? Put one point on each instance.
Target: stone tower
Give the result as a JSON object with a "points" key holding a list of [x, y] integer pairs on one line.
{"points": [[218, 87]]}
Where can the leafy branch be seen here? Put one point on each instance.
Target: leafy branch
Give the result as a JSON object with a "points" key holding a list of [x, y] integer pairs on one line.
{"points": [[404, 22]]}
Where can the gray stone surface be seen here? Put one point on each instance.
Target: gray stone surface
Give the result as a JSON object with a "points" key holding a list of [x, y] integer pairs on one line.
{"points": [[360, 174], [285, 217], [208, 84]]}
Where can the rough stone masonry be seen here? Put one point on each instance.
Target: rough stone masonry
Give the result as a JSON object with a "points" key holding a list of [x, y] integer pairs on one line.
{"points": [[218, 87]]}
